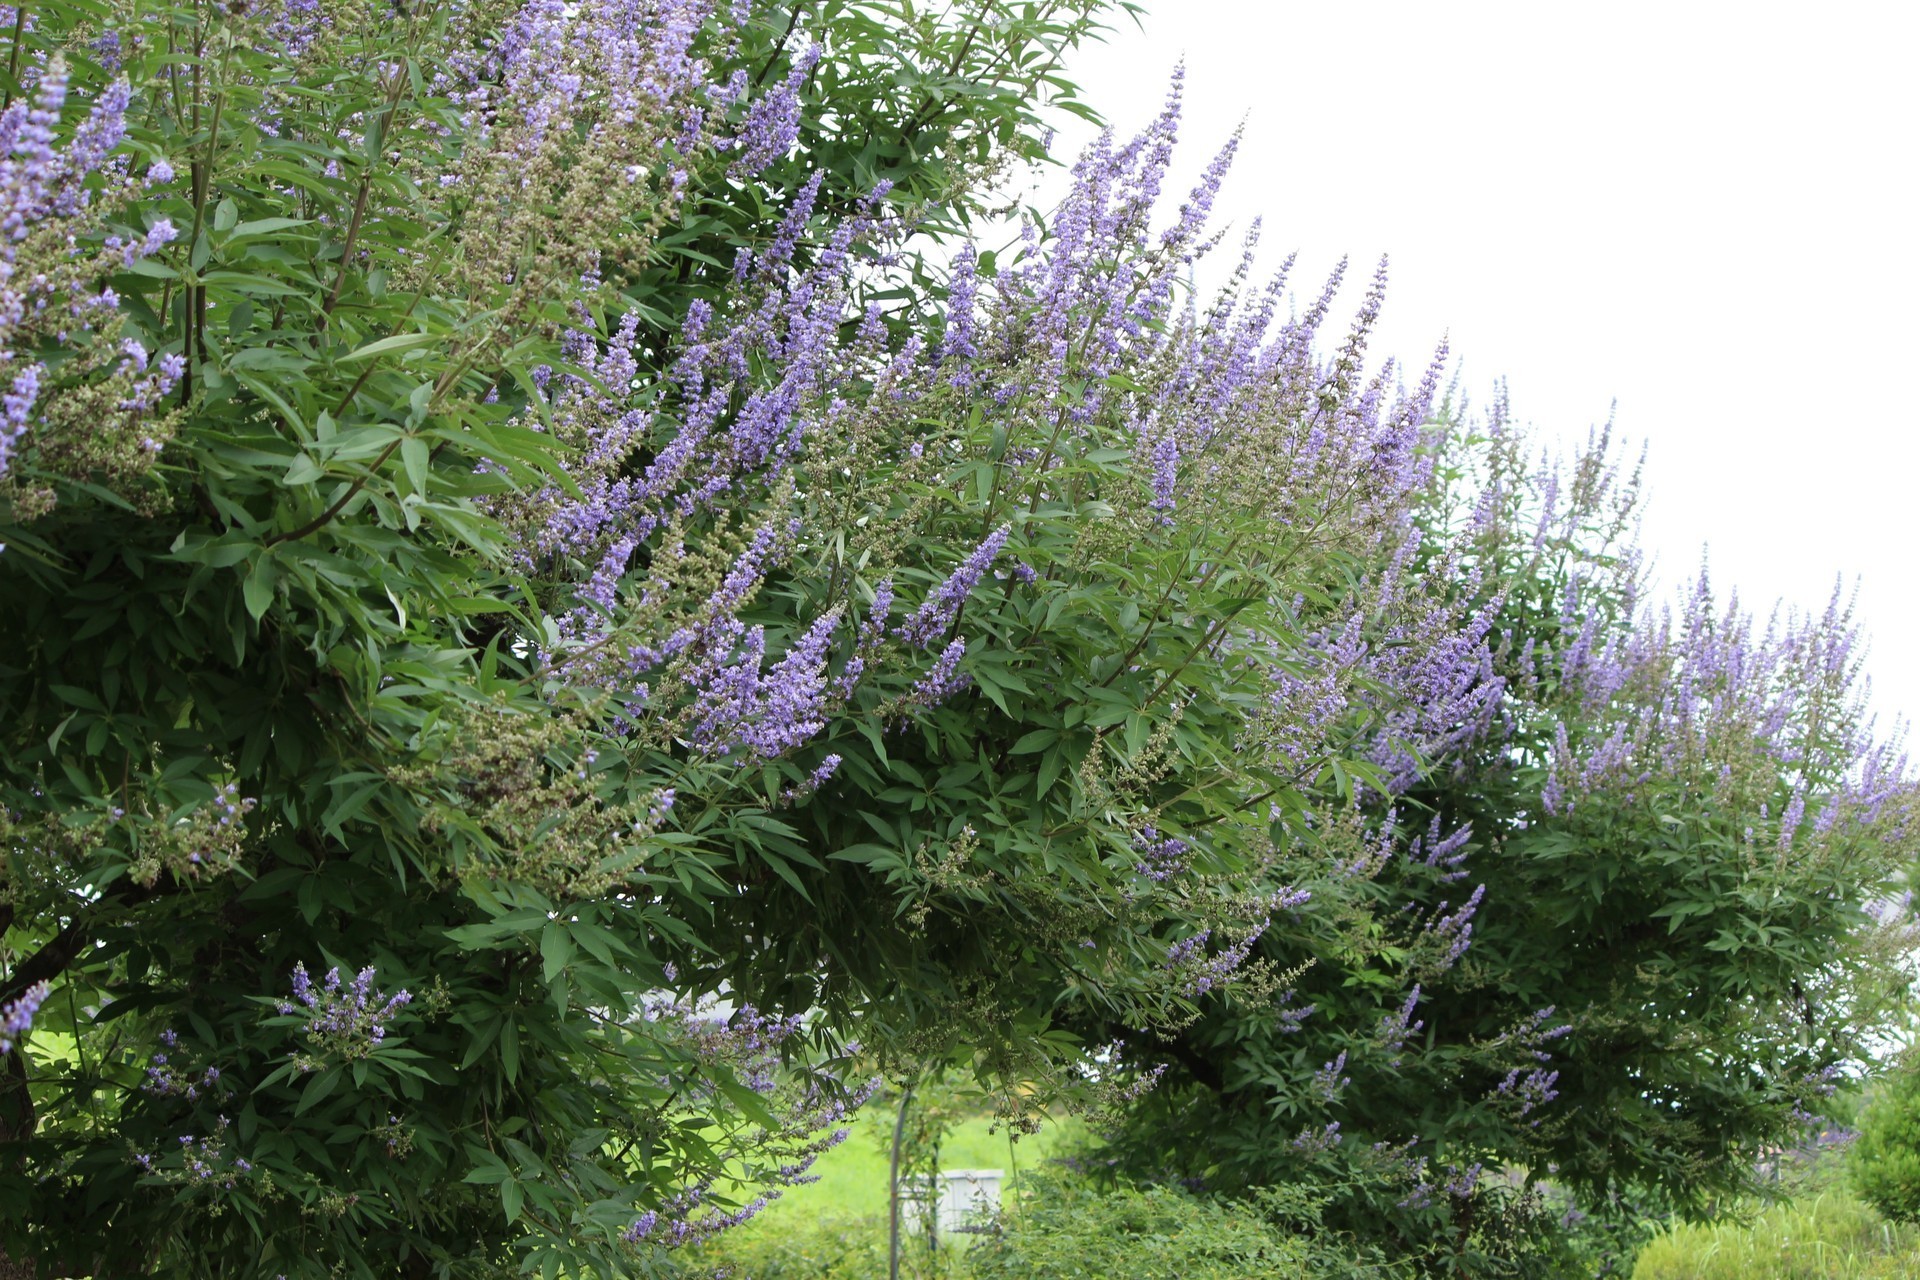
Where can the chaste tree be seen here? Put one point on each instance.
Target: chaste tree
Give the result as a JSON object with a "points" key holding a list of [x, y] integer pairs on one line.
{"points": [[1636, 937], [557, 628]]}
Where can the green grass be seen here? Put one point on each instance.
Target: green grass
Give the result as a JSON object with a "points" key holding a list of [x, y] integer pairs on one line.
{"points": [[853, 1176], [836, 1228], [1825, 1235]]}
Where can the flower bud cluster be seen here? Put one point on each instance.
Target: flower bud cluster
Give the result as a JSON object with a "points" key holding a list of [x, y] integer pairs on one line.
{"points": [[207, 841]]}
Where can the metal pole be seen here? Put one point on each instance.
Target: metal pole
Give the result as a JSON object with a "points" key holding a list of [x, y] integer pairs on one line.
{"points": [[893, 1188]]}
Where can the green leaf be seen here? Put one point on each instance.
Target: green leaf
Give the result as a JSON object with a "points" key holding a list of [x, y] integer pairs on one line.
{"points": [[266, 227], [413, 456], [1035, 740], [387, 346], [513, 1198], [510, 1049], [257, 590], [556, 950], [318, 1087], [302, 470]]}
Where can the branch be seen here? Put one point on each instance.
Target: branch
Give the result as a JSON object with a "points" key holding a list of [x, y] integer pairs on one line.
{"points": [[793, 20], [326, 517], [48, 962], [53, 959]]}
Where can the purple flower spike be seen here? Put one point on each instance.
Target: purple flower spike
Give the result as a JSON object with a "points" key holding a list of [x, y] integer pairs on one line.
{"points": [[931, 620]]}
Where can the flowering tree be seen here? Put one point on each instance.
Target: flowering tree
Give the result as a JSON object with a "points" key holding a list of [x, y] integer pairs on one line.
{"points": [[509, 695], [285, 291], [1635, 925]]}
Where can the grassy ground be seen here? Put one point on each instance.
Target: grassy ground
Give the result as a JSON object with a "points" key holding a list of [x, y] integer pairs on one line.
{"points": [[853, 1176], [836, 1228], [1824, 1235]]}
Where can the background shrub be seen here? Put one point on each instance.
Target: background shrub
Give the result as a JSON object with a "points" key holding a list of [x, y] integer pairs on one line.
{"points": [[1061, 1227], [1885, 1158], [1828, 1235]]}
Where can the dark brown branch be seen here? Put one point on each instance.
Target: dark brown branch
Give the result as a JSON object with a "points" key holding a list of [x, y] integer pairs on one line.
{"points": [[326, 517], [793, 20], [49, 962], [53, 959]]}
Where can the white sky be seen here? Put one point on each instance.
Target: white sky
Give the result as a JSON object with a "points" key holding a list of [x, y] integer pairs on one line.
{"points": [[1703, 211]]}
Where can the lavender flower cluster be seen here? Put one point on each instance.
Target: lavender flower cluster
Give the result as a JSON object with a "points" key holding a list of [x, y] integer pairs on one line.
{"points": [[1161, 858], [17, 1018], [51, 290], [198, 1161], [1041, 344], [1198, 972], [1532, 1087], [345, 1019], [932, 619], [168, 1079], [1398, 1027]]}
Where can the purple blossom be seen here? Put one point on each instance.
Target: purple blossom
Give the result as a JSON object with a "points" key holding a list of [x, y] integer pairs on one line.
{"points": [[1160, 859], [1462, 1182], [1456, 929], [771, 713], [943, 679], [1534, 1089], [350, 1019], [773, 122], [1442, 852], [296, 24], [16, 410], [1397, 1027], [957, 347], [813, 781], [17, 1018], [1328, 1081], [1291, 1016], [1166, 470], [1325, 1138], [1201, 973]]}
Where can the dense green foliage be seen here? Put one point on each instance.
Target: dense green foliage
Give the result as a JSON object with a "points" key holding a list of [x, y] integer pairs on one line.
{"points": [[1885, 1159], [558, 625], [1064, 1228], [263, 705]]}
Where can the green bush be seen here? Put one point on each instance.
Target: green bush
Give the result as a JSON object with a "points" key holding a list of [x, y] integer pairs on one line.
{"points": [[1885, 1161], [1059, 1226], [839, 1246], [1830, 1235]]}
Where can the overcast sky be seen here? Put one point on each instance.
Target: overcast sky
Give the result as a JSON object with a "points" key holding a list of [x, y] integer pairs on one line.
{"points": [[1704, 212]]}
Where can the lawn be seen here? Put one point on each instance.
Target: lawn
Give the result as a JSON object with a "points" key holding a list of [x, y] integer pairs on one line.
{"points": [[836, 1228], [853, 1176]]}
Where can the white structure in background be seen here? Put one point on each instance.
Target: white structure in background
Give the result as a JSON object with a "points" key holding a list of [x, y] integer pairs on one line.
{"points": [[967, 1201]]}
